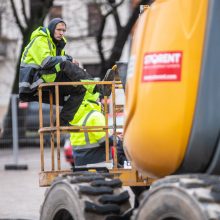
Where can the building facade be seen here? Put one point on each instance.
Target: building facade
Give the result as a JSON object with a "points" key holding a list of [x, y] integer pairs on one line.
{"points": [[82, 19]]}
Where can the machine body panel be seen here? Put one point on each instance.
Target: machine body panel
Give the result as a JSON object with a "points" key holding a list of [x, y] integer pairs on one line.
{"points": [[162, 84]]}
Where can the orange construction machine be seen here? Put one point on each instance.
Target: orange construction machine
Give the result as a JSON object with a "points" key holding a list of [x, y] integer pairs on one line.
{"points": [[172, 125], [172, 109]]}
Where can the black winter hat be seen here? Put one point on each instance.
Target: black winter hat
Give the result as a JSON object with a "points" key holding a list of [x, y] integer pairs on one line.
{"points": [[52, 25]]}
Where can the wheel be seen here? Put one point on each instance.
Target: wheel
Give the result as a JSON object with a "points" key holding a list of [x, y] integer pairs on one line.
{"points": [[187, 197], [86, 195]]}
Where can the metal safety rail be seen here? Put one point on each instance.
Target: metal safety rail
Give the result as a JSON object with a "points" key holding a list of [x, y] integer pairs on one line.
{"points": [[129, 177]]}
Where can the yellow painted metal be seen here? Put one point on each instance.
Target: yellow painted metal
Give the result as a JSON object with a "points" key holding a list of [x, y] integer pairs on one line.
{"points": [[159, 114], [40, 127], [58, 125], [106, 134], [47, 177], [129, 177], [51, 133], [115, 158]]}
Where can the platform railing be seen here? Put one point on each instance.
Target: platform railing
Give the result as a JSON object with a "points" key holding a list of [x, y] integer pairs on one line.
{"points": [[128, 176]]}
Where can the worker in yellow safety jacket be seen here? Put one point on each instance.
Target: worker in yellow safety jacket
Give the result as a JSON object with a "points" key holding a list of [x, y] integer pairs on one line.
{"points": [[89, 147], [44, 60]]}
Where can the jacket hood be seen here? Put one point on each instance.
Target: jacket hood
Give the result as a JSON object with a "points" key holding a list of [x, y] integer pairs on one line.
{"points": [[43, 31], [52, 25], [40, 31]]}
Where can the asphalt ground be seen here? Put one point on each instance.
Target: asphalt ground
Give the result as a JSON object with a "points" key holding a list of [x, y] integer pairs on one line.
{"points": [[20, 194]]}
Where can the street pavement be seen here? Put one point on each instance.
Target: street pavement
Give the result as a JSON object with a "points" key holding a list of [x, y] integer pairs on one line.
{"points": [[20, 194]]}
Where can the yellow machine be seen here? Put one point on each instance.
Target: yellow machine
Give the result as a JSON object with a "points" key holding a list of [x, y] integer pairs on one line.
{"points": [[163, 86], [171, 130], [172, 108], [97, 190]]}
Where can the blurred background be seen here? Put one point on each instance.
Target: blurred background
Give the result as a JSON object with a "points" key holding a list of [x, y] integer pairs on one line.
{"points": [[99, 33]]}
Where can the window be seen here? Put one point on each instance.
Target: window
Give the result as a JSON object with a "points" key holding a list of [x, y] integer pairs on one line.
{"points": [[94, 18], [3, 41], [3, 48], [55, 12], [0, 23]]}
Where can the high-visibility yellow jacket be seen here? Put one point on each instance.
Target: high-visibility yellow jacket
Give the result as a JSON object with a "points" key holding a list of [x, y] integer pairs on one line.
{"points": [[39, 62], [89, 114], [88, 146]]}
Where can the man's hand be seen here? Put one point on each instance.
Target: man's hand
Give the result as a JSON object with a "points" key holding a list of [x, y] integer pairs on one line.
{"points": [[69, 58], [75, 62]]}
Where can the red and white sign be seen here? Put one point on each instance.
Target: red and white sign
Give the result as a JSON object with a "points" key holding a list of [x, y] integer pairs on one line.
{"points": [[23, 105], [162, 66]]}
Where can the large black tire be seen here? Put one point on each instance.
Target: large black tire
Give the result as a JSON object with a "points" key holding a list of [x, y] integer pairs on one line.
{"points": [[186, 197], [86, 195]]}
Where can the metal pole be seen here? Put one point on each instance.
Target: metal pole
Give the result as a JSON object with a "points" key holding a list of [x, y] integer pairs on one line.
{"points": [[115, 159], [52, 132], [15, 165], [41, 126], [58, 125], [14, 127]]}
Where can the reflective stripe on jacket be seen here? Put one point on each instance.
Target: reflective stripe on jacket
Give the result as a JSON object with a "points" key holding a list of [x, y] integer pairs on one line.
{"points": [[89, 114], [39, 61]]}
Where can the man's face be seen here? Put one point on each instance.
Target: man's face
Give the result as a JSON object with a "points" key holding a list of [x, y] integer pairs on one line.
{"points": [[59, 31]]}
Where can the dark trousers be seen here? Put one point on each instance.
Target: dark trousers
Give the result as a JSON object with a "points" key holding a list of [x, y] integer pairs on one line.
{"points": [[71, 97]]}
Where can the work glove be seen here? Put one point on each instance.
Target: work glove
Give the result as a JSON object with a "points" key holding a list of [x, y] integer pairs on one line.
{"points": [[69, 58]]}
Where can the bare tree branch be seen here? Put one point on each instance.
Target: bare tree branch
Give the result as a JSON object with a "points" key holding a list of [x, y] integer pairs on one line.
{"points": [[122, 37], [117, 21], [24, 12], [99, 37], [135, 14], [22, 29], [49, 4], [113, 6], [115, 14], [39, 12]]}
